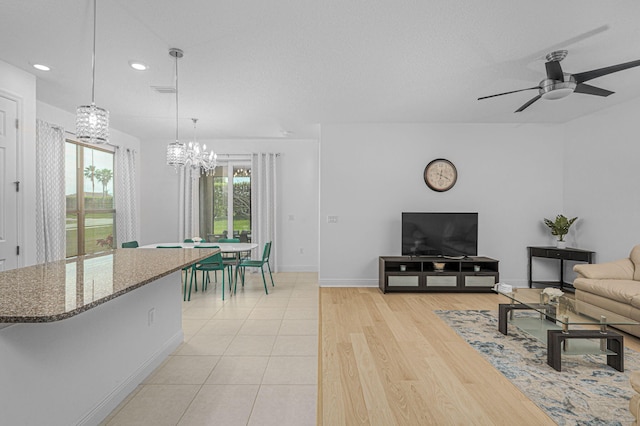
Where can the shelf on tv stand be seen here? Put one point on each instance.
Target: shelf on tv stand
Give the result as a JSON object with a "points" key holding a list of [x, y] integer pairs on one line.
{"points": [[417, 273]]}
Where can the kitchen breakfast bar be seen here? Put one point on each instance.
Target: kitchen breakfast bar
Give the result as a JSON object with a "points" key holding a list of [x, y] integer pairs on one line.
{"points": [[78, 335]]}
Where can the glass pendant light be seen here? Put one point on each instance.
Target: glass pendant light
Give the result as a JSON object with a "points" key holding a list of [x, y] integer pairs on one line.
{"points": [[176, 151], [92, 122]]}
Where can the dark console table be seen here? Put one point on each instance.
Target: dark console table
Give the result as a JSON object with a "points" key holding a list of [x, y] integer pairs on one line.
{"points": [[565, 254]]}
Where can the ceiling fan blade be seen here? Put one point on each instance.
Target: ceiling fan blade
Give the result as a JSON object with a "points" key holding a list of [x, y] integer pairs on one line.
{"points": [[507, 93], [581, 77], [587, 89], [554, 70], [523, 107]]}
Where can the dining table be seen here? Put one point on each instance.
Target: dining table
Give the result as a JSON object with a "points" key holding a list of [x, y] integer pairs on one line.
{"points": [[230, 248]]}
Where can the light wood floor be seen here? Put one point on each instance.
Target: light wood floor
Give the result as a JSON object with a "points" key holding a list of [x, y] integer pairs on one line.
{"points": [[387, 359]]}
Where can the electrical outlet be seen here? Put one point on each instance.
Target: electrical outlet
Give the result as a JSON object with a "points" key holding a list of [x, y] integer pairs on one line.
{"points": [[301, 251], [151, 316], [332, 219], [292, 217]]}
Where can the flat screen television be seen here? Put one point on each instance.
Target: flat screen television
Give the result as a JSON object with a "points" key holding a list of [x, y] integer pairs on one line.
{"points": [[439, 234]]}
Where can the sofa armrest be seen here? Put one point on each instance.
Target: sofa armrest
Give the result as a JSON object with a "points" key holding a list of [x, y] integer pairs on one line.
{"points": [[617, 270]]}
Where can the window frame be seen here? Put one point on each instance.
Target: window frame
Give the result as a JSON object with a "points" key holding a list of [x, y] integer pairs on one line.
{"points": [[81, 212]]}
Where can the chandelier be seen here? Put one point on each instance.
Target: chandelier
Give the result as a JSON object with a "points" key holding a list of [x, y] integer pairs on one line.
{"points": [[198, 158], [92, 122], [193, 155]]}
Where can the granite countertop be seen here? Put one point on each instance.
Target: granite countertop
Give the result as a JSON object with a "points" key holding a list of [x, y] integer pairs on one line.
{"points": [[57, 290]]}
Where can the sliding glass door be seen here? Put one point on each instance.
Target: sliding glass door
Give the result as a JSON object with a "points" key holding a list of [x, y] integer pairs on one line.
{"points": [[225, 202]]}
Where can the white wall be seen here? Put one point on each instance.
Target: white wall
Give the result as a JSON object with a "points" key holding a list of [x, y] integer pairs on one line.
{"points": [[511, 175], [21, 86], [67, 120], [602, 177], [298, 196]]}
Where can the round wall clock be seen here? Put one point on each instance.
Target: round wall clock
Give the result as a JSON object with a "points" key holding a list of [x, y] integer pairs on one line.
{"points": [[440, 175]]}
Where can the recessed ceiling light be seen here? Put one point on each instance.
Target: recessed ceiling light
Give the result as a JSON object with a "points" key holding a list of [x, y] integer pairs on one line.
{"points": [[41, 67], [138, 66]]}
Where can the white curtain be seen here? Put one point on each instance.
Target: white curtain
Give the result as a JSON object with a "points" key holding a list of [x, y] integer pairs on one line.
{"points": [[264, 205], [126, 200], [51, 238], [189, 204]]}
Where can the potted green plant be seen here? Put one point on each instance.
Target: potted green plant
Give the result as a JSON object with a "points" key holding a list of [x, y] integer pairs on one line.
{"points": [[559, 228]]}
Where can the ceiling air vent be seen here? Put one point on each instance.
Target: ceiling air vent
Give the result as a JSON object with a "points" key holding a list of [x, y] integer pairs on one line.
{"points": [[164, 89]]}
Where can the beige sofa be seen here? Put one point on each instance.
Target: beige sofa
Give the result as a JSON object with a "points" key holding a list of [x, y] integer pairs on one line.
{"points": [[612, 286], [634, 403]]}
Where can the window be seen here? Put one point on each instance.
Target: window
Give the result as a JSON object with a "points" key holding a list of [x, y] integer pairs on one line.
{"points": [[225, 202], [89, 199]]}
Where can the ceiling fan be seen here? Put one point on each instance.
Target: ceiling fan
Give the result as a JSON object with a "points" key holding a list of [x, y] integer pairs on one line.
{"points": [[560, 84]]}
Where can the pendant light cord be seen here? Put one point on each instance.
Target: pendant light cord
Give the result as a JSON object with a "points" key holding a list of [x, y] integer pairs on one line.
{"points": [[195, 137], [177, 110], [93, 57]]}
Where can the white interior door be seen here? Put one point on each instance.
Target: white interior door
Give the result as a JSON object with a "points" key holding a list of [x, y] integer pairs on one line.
{"points": [[8, 185]]}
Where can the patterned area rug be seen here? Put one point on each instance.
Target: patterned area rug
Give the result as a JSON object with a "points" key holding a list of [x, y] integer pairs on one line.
{"points": [[586, 392]]}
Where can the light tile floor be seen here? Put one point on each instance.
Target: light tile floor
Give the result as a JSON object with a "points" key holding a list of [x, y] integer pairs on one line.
{"points": [[250, 360]]}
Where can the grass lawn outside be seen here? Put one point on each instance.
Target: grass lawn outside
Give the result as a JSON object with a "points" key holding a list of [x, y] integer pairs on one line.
{"points": [[239, 224]]}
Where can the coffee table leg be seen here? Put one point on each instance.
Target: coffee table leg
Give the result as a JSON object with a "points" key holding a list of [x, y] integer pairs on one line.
{"points": [[503, 311], [555, 339], [616, 344], [554, 351]]}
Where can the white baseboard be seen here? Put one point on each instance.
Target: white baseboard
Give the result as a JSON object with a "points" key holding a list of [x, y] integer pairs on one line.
{"points": [[298, 268], [106, 406], [348, 282]]}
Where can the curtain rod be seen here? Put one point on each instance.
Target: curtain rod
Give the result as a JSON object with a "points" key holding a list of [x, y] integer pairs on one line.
{"points": [[278, 154], [89, 145]]}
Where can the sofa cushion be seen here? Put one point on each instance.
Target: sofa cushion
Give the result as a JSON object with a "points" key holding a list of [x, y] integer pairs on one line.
{"points": [[634, 379], [624, 291], [635, 258], [634, 404], [622, 269]]}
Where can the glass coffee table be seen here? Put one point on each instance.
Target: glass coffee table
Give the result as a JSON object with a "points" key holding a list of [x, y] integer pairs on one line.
{"points": [[569, 326]]}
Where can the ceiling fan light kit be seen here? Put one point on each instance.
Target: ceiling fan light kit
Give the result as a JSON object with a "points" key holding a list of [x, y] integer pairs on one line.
{"points": [[552, 89], [559, 84]]}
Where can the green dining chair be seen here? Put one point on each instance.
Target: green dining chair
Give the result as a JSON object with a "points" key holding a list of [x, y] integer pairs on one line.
{"points": [[130, 244], [229, 240], [248, 263], [229, 259], [190, 240], [186, 271], [211, 263]]}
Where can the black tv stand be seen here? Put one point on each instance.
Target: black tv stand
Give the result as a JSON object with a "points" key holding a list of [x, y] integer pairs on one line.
{"points": [[418, 274]]}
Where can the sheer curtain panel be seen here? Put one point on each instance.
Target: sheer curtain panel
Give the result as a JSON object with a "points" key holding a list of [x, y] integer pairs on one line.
{"points": [[126, 200], [51, 241], [264, 204], [189, 203]]}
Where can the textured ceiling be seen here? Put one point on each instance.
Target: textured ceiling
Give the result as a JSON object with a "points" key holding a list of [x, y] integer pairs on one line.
{"points": [[257, 68]]}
